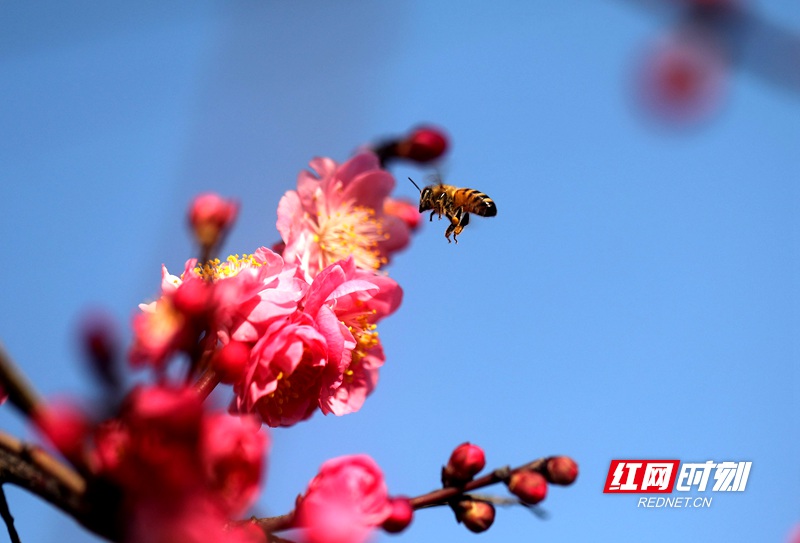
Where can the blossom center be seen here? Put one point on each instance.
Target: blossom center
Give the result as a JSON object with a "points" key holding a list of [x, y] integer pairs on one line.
{"points": [[215, 269], [351, 230], [366, 337]]}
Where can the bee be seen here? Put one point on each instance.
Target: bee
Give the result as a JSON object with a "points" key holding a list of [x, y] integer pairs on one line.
{"points": [[454, 203]]}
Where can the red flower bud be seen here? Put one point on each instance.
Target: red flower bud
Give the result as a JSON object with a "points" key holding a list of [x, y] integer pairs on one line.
{"points": [[465, 462], [529, 486], [423, 145], [230, 361], [561, 470], [100, 341], [476, 515], [192, 298], [66, 426], [401, 516], [211, 216]]}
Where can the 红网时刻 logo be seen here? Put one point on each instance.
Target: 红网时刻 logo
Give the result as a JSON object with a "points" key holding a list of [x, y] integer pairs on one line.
{"points": [[669, 476]]}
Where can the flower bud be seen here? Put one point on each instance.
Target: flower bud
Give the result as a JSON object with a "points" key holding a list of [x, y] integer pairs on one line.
{"points": [[192, 298], [465, 462], [476, 515], [230, 361], [423, 145], [529, 486], [211, 216], [401, 516], [561, 470], [66, 426], [100, 342]]}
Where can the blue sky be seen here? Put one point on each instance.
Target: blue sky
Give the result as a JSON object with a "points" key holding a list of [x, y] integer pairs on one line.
{"points": [[635, 297]]}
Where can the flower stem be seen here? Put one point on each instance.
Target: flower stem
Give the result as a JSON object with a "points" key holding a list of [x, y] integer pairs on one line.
{"points": [[207, 381]]}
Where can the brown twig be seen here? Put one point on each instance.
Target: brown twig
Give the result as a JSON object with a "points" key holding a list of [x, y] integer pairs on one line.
{"points": [[20, 392], [33, 469], [5, 513]]}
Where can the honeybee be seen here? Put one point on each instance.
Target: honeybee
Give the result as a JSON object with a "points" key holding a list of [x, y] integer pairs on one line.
{"points": [[454, 203]]}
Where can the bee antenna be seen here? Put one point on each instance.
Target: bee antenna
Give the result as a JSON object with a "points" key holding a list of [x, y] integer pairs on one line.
{"points": [[419, 189]]}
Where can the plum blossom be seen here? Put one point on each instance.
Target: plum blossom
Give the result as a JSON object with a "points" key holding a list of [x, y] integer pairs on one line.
{"points": [[247, 293], [345, 501], [252, 291], [326, 355], [181, 471], [283, 379], [338, 212], [231, 452], [346, 303]]}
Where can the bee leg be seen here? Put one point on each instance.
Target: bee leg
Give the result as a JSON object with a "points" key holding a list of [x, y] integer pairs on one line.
{"points": [[464, 221], [458, 221], [432, 214], [449, 231]]}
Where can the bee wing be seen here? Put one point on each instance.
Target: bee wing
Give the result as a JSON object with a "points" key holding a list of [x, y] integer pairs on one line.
{"points": [[437, 177]]}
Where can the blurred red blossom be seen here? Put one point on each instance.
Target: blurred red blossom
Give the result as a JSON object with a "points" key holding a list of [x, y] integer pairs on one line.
{"points": [[683, 76], [195, 462]]}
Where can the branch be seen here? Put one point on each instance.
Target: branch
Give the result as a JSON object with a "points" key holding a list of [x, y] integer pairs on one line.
{"points": [[437, 497], [5, 512], [444, 495], [20, 392], [31, 468]]}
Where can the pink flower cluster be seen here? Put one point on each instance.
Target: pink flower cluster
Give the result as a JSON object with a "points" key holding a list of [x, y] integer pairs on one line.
{"points": [[183, 472], [307, 317]]}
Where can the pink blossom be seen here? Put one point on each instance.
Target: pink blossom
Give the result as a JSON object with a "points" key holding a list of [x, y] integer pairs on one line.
{"points": [[159, 331], [345, 501], [232, 451], [252, 291], [193, 519], [346, 303], [283, 379], [162, 329], [244, 295], [405, 210], [339, 211]]}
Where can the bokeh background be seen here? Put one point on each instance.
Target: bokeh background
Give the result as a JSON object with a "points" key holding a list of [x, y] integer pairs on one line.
{"points": [[635, 297]]}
